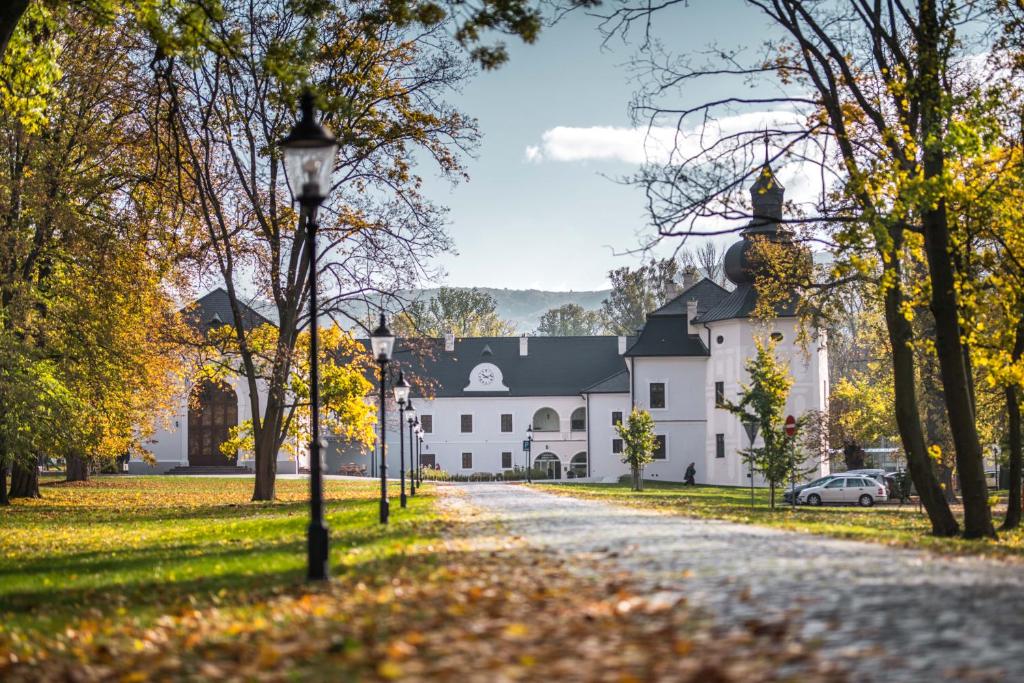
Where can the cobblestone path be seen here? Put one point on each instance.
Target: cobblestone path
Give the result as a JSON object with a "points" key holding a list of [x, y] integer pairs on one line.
{"points": [[885, 613]]}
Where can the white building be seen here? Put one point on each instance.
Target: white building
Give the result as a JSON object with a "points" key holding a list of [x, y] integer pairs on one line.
{"points": [[477, 397]]}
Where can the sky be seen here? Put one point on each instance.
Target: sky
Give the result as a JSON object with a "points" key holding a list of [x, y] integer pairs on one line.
{"points": [[544, 207]]}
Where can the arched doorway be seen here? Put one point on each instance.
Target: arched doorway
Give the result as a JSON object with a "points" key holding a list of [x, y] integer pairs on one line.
{"points": [[546, 420], [211, 413], [578, 465], [549, 464]]}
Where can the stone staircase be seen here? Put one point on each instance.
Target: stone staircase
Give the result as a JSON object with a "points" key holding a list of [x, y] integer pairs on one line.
{"points": [[210, 470]]}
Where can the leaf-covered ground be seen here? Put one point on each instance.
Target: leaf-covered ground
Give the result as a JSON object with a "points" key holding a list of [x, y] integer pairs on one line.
{"points": [[162, 578], [905, 525]]}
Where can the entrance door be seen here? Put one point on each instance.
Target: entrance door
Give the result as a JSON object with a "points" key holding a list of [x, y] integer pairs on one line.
{"points": [[213, 413], [549, 464]]}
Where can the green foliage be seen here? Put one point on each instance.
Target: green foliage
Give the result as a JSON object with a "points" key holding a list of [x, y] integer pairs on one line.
{"points": [[569, 320], [638, 443], [635, 293], [463, 312], [763, 402]]}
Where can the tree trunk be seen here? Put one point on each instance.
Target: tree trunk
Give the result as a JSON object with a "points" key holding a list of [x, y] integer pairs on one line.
{"points": [[25, 479], [907, 417], [1013, 503], [4, 499], [10, 15], [77, 468], [944, 303], [266, 447]]}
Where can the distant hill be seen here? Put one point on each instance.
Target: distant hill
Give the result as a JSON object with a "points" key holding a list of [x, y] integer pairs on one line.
{"points": [[524, 307]]}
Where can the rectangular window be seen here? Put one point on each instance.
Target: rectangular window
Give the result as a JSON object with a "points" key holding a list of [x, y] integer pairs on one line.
{"points": [[427, 460], [657, 394], [616, 418], [427, 422], [659, 448], [719, 394], [719, 445], [467, 461], [616, 445], [506, 423], [467, 424], [506, 460]]}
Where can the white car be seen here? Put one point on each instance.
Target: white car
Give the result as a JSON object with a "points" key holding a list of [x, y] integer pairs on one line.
{"points": [[852, 490]]}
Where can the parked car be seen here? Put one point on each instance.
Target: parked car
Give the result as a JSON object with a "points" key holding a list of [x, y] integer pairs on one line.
{"points": [[845, 489], [787, 495]]}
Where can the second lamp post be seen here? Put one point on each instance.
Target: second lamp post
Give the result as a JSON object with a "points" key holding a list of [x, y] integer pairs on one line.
{"points": [[382, 343], [404, 406]]}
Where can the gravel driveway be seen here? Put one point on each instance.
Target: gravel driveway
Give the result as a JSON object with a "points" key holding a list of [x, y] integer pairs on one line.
{"points": [[893, 614]]}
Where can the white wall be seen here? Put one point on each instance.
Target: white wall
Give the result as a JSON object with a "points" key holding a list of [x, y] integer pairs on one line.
{"points": [[809, 370], [487, 441], [682, 421], [603, 462]]}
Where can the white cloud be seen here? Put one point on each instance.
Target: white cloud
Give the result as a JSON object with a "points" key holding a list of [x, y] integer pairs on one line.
{"points": [[656, 144]]}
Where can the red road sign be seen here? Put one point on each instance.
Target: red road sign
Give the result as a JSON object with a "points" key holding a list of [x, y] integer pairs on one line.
{"points": [[790, 425]]}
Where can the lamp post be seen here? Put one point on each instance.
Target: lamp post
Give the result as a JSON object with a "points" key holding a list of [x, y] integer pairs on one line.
{"points": [[419, 451], [412, 449], [401, 390], [529, 458], [382, 342], [751, 428], [309, 152]]}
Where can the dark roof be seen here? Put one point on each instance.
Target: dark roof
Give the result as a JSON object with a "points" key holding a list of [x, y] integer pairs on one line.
{"points": [[740, 303], [553, 366], [705, 292], [215, 308], [667, 335], [616, 384]]}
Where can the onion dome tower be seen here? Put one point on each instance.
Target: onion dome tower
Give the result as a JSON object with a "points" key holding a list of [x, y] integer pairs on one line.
{"points": [[766, 198]]}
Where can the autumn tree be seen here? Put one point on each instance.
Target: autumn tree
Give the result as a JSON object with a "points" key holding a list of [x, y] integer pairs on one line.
{"points": [[569, 320], [638, 443], [635, 293], [762, 402], [86, 278], [343, 364], [884, 101], [381, 88], [460, 311]]}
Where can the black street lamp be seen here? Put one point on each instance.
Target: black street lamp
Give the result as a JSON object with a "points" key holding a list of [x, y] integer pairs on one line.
{"points": [[309, 152], [382, 342], [419, 451], [411, 419], [529, 457], [401, 397]]}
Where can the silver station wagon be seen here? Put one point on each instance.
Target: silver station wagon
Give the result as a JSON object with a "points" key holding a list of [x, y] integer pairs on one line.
{"points": [[851, 490]]}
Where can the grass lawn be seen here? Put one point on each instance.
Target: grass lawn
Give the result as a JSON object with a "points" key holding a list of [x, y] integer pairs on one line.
{"points": [[102, 558], [891, 524]]}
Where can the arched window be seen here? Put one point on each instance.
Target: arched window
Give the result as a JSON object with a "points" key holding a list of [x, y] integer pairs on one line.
{"points": [[212, 411], [578, 420], [548, 466], [546, 420], [578, 465]]}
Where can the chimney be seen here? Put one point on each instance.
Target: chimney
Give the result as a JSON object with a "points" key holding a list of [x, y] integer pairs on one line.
{"points": [[690, 277], [672, 290], [622, 344], [691, 315], [524, 343], [449, 342]]}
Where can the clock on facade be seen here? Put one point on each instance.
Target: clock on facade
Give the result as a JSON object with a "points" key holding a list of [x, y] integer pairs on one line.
{"points": [[485, 376]]}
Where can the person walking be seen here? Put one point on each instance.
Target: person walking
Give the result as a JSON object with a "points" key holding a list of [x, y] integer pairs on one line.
{"points": [[689, 478]]}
